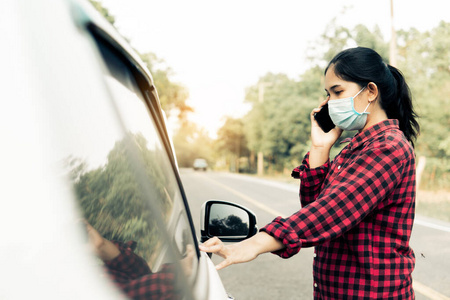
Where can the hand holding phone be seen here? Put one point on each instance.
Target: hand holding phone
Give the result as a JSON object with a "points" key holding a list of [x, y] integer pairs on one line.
{"points": [[323, 119]]}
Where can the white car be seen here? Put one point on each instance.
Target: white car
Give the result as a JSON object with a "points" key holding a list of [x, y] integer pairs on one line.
{"points": [[200, 164], [85, 150]]}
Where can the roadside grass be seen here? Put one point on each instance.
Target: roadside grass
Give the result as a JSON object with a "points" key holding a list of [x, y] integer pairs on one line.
{"points": [[433, 204]]}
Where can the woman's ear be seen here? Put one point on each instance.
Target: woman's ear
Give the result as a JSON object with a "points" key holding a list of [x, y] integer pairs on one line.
{"points": [[372, 91]]}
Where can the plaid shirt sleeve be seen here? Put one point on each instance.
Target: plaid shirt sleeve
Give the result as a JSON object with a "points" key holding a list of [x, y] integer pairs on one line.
{"points": [[132, 274], [311, 180], [351, 193]]}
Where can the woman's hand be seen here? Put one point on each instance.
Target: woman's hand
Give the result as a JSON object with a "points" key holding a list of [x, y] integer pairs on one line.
{"points": [[319, 138], [321, 142], [233, 254], [244, 251], [103, 248]]}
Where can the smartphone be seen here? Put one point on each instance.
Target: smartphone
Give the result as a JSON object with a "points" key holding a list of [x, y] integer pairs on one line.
{"points": [[323, 119]]}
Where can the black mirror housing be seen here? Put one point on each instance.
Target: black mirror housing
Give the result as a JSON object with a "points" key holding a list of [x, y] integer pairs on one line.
{"points": [[228, 221]]}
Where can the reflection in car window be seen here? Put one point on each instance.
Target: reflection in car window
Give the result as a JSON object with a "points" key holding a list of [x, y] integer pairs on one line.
{"points": [[228, 221], [108, 185]]}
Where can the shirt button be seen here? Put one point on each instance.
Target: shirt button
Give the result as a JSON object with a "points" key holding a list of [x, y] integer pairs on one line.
{"points": [[315, 284], [339, 167], [314, 255]]}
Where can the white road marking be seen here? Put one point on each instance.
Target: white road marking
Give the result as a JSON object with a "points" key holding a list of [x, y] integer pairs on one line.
{"points": [[428, 292], [246, 198], [432, 225]]}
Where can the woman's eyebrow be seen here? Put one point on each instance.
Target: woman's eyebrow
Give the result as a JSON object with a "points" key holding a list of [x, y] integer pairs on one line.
{"points": [[333, 87]]}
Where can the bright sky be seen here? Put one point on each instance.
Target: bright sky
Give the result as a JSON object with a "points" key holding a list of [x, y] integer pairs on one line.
{"points": [[217, 49]]}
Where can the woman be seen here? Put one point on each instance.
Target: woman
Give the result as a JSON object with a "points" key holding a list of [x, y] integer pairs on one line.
{"points": [[358, 210]]}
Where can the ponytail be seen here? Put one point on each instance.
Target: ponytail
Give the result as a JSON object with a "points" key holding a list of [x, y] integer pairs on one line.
{"points": [[363, 65], [401, 107]]}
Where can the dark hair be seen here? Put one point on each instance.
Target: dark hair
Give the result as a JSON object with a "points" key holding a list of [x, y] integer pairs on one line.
{"points": [[363, 65]]}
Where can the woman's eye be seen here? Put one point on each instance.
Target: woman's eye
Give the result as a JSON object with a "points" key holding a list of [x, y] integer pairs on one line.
{"points": [[337, 92]]}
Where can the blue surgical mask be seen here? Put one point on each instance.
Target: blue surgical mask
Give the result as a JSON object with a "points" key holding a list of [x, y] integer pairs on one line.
{"points": [[344, 115]]}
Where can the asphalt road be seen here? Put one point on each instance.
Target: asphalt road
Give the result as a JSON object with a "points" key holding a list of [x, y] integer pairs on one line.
{"points": [[271, 277]]}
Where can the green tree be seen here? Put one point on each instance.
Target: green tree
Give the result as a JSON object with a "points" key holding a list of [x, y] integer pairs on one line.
{"points": [[371, 39], [231, 143], [425, 61], [173, 96], [103, 10], [337, 38], [191, 142], [278, 123]]}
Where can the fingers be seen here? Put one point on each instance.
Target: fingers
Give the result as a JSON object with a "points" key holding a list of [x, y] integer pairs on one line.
{"points": [[315, 110], [232, 254], [324, 102], [213, 245], [223, 264], [212, 241], [311, 115]]}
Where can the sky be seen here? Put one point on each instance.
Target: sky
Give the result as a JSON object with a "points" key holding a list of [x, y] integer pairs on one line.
{"points": [[217, 49]]}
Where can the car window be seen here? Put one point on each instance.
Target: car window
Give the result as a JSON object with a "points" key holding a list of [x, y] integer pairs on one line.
{"points": [[124, 181], [153, 156]]}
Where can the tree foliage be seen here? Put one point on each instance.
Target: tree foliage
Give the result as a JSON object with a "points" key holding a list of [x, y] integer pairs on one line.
{"points": [[278, 123], [425, 60], [173, 96], [231, 138], [191, 142], [112, 201], [229, 226], [231, 143], [103, 10]]}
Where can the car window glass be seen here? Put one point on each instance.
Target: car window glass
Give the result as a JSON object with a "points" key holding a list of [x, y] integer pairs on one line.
{"points": [[153, 158], [123, 178]]}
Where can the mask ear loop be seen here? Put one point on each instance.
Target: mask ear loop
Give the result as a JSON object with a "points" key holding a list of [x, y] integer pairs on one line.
{"points": [[365, 110], [359, 92], [353, 106]]}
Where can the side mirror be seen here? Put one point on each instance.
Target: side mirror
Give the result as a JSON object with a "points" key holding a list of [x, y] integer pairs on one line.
{"points": [[228, 221]]}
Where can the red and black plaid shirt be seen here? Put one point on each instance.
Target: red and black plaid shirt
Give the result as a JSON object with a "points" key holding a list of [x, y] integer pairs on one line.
{"points": [[132, 274], [358, 212]]}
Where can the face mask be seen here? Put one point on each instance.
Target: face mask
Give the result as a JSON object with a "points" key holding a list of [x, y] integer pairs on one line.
{"points": [[344, 115]]}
